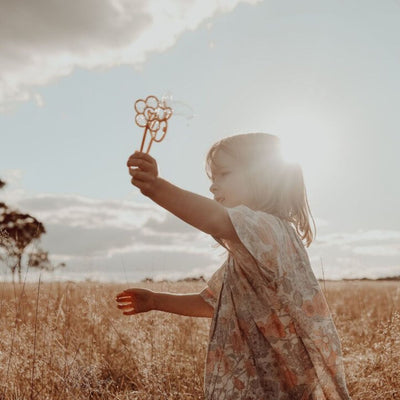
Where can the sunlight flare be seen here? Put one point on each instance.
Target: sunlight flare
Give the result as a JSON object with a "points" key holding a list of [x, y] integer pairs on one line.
{"points": [[308, 140]]}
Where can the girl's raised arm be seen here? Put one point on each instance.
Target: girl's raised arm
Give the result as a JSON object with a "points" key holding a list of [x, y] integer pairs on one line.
{"points": [[199, 211]]}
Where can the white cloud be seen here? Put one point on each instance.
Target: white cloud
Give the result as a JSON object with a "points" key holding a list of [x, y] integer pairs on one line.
{"points": [[44, 40], [78, 211], [80, 225], [351, 238], [385, 250], [100, 236], [371, 254], [167, 225], [64, 240], [127, 240]]}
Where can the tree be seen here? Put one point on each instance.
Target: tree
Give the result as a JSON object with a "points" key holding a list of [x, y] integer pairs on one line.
{"points": [[40, 259], [17, 231]]}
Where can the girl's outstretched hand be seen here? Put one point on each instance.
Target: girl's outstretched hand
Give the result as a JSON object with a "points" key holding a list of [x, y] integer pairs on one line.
{"points": [[144, 171], [135, 301]]}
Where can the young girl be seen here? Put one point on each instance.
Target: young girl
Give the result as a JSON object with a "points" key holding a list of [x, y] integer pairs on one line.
{"points": [[272, 335]]}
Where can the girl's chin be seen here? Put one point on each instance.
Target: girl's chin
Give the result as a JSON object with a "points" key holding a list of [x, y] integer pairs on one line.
{"points": [[228, 204]]}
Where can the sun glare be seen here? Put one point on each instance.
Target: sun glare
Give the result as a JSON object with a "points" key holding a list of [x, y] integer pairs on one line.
{"points": [[306, 140]]}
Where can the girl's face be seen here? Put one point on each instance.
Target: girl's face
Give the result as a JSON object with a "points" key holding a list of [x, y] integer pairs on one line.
{"points": [[229, 185]]}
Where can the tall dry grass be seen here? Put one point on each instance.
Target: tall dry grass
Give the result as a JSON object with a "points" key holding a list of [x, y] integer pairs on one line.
{"points": [[68, 341]]}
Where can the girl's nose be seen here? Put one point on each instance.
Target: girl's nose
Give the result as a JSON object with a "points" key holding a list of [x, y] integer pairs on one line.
{"points": [[213, 188]]}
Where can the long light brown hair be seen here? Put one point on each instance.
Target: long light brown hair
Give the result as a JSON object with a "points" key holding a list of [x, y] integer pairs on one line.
{"points": [[277, 187]]}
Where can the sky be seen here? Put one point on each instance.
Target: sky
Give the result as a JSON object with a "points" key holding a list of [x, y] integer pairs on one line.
{"points": [[321, 75]]}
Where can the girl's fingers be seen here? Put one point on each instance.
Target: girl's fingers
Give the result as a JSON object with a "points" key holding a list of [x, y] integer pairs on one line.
{"points": [[137, 172], [144, 186], [144, 170], [144, 156], [139, 184], [144, 165], [127, 302], [129, 312], [123, 294], [141, 176], [124, 299], [146, 159], [125, 306]]}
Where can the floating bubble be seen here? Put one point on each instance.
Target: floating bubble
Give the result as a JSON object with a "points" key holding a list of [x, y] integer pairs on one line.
{"points": [[160, 112], [180, 108]]}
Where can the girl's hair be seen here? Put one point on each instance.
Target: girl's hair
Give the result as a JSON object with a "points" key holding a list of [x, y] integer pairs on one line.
{"points": [[276, 186]]}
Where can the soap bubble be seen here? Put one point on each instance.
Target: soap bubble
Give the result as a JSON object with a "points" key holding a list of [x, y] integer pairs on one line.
{"points": [[179, 108]]}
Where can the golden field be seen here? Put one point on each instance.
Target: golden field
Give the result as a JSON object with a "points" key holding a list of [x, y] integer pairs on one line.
{"points": [[69, 341]]}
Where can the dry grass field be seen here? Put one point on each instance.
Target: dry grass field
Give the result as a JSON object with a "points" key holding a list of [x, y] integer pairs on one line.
{"points": [[69, 341]]}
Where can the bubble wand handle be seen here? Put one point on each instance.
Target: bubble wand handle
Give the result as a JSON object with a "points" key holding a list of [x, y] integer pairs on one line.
{"points": [[144, 139]]}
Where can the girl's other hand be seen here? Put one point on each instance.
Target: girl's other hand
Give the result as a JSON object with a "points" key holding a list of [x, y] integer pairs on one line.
{"points": [[144, 171], [135, 301]]}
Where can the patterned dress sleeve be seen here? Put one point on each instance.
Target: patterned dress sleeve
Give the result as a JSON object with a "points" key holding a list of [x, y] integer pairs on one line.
{"points": [[211, 292], [260, 235]]}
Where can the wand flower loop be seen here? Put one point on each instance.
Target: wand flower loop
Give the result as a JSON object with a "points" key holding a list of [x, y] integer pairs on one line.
{"points": [[152, 115]]}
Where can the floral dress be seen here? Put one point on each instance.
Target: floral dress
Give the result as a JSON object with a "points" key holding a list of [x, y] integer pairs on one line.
{"points": [[272, 335]]}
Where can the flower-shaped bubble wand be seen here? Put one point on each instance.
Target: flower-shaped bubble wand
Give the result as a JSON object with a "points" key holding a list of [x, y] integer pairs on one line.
{"points": [[152, 115]]}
